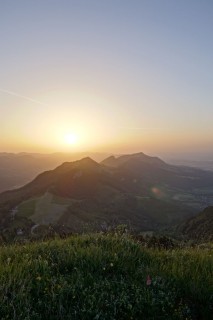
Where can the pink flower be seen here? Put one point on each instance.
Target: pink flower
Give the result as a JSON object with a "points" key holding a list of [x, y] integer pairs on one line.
{"points": [[148, 281]]}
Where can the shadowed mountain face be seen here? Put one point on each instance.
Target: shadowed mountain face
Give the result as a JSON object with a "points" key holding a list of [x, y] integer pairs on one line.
{"points": [[18, 169], [140, 158], [138, 190], [155, 171], [199, 227]]}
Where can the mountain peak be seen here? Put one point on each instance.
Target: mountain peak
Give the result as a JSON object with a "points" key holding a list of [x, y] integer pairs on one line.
{"points": [[86, 162], [140, 156], [110, 161]]}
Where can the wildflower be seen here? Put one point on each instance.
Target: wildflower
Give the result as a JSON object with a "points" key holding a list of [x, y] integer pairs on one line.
{"points": [[38, 278], [8, 260], [148, 281], [111, 264]]}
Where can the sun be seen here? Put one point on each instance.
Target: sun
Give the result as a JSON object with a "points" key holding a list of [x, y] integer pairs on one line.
{"points": [[71, 138]]}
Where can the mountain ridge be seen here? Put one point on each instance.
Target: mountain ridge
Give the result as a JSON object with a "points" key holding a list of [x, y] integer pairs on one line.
{"points": [[139, 190], [140, 156]]}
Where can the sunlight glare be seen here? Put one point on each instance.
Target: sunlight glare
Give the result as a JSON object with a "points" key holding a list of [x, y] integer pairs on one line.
{"points": [[71, 139]]}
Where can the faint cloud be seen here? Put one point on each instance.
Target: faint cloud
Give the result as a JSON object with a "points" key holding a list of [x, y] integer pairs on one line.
{"points": [[15, 94]]}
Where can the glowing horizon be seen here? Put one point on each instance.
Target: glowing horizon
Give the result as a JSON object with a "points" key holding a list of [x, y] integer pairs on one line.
{"points": [[120, 78]]}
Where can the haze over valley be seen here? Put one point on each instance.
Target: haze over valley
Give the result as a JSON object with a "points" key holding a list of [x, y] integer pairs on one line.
{"points": [[106, 160]]}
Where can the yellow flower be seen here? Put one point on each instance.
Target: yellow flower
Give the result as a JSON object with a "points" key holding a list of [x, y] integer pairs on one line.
{"points": [[38, 278]]}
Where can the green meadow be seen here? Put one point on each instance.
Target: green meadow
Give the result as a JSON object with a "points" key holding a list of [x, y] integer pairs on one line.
{"points": [[104, 276]]}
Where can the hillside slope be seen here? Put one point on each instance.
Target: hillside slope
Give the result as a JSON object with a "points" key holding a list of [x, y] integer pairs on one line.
{"points": [[140, 191], [18, 169], [199, 227]]}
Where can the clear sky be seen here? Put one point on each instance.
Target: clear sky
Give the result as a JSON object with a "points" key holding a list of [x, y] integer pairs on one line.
{"points": [[106, 75]]}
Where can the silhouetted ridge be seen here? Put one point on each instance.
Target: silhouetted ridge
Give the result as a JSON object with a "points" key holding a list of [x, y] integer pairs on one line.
{"points": [[84, 163], [110, 161], [133, 158], [135, 189]]}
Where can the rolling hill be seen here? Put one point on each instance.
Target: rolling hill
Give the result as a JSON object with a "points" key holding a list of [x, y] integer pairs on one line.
{"points": [[18, 169], [140, 191]]}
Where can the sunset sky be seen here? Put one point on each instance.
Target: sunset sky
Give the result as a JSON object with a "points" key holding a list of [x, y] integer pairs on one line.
{"points": [[106, 76]]}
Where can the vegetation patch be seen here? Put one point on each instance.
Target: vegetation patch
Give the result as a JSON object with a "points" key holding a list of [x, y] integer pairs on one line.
{"points": [[104, 277], [27, 208], [46, 209]]}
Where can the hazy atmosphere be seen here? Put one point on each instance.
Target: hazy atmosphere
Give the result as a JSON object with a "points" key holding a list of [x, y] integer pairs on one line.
{"points": [[106, 159], [109, 76]]}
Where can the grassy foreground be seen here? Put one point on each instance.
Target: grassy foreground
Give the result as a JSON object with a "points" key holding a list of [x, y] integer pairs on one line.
{"points": [[104, 277]]}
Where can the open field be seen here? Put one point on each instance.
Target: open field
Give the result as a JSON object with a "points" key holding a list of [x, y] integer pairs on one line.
{"points": [[46, 209]]}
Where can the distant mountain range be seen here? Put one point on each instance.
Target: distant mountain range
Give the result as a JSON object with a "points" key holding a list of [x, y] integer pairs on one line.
{"points": [[138, 190], [18, 169]]}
